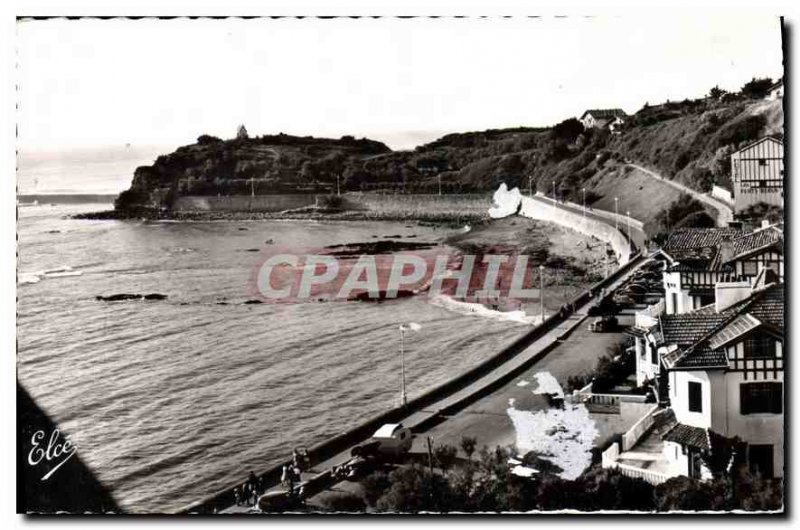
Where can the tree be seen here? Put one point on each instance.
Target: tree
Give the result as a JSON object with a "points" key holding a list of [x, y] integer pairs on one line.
{"points": [[568, 130], [468, 445], [241, 133], [716, 92], [445, 456], [757, 88], [206, 139]]}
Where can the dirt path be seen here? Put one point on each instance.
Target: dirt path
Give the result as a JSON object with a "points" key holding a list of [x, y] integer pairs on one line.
{"points": [[724, 212]]}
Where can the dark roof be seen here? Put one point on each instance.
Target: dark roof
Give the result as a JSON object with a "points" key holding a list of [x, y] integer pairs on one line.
{"points": [[687, 328], [766, 305], [759, 239], [769, 306], [684, 239], [688, 435], [605, 113]]}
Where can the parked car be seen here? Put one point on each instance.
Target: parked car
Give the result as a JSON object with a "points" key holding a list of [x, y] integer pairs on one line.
{"points": [[393, 439], [603, 324]]}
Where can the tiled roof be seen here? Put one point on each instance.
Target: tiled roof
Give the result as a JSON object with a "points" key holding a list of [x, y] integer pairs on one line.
{"points": [[605, 113], [768, 306], [697, 238], [687, 435], [765, 306], [761, 238], [688, 328]]}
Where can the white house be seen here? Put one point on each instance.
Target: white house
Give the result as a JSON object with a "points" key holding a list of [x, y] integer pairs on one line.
{"points": [[720, 369], [612, 119], [699, 258], [730, 380], [776, 91], [757, 172]]}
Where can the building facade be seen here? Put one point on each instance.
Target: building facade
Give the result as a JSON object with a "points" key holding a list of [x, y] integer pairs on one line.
{"points": [[757, 172]]}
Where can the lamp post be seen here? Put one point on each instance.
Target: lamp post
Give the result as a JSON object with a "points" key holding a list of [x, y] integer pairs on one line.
{"points": [[530, 185], [554, 193], [616, 213], [337, 185], [541, 291], [628, 215], [440, 184], [403, 400], [411, 326], [584, 202]]}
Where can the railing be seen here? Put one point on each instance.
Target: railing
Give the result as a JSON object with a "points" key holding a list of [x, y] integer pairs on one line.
{"points": [[585, 395], [653, 477], [634, 434], [609, 459]]}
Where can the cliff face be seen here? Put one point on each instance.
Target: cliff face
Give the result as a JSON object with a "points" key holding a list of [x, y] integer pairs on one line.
{"points": [[690, 141]]}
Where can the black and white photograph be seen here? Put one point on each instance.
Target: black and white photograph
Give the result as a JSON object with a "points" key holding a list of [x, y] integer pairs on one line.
{"points": [[363, 265]]}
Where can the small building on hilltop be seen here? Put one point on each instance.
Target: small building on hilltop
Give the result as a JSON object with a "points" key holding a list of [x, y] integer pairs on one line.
{"points": [[612, 119], [776, 91], [757, 174]]}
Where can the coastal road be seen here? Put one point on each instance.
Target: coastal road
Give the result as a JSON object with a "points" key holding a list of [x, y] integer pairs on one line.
{"points": [[724, 212], [559, 354]]}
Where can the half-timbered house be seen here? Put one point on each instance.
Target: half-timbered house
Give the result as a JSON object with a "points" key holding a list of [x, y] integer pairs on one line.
{"points": [[757, 173]]}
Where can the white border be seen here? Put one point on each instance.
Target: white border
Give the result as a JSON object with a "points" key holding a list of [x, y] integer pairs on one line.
{"points": [[315, 7]]}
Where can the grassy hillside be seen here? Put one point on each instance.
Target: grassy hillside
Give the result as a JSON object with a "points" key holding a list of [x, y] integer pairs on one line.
{"points": [[690, 141]]}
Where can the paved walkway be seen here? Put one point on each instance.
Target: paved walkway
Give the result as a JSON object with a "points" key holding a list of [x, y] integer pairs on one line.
{"points": [[724, 212]]}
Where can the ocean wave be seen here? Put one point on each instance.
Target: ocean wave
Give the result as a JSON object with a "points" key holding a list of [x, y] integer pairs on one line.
{"points": [[36, 277], [471, 308]]}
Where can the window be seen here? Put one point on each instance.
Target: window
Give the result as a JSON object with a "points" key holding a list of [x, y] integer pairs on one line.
{"points": [[759, 348], [760, 459], [695, 397], [762, 161], [761, 398], [675, 303], [653, 354], [762, 183], [750, 268]]}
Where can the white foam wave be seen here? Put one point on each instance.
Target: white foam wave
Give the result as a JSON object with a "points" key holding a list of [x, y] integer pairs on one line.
{"points": [[37, 276], [471, 308]]}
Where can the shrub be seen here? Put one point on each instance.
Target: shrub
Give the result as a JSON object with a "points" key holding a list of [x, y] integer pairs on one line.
{"points": [[343, 502], [205, 139], [757, 88], [743, 130]]}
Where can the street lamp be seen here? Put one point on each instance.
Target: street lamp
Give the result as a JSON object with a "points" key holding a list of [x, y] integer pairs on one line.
{"points": [[402, 369], [541, 292], [412, 326], [530, 185], [616, 213], [584, 202], [554, 193], [337, 185], [628, 215]]}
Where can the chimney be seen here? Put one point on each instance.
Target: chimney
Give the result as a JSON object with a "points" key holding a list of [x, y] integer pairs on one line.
{"points": [[725, 249], [727, 294]]}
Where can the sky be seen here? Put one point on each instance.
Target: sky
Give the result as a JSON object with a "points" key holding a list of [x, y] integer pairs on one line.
{"points": [[92, 83]]}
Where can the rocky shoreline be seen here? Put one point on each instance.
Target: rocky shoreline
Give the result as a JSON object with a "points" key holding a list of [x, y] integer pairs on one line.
{"points": [[438, 218]]}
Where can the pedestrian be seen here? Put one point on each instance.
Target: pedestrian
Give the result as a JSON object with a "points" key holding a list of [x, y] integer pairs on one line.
{"points": [[237, 496], [285, 475]]}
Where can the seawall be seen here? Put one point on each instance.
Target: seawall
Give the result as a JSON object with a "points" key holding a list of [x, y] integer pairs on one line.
{"points": [[243, 203], [546, 210]]}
